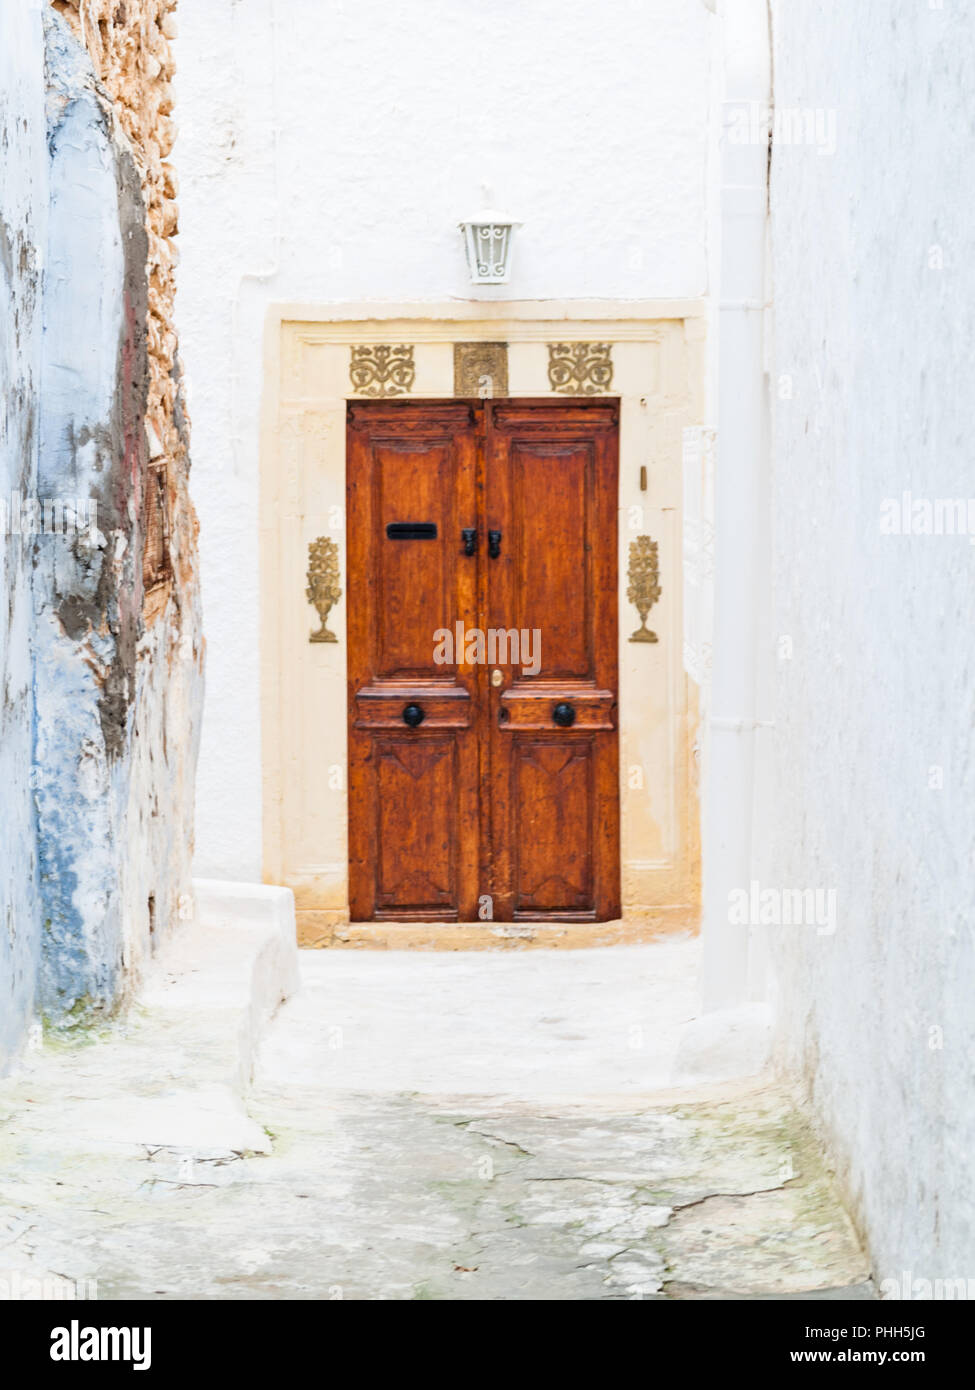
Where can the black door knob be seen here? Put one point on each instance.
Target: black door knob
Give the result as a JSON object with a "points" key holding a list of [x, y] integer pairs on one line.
{"points": [[469, 536], [494, 544], [413, 715], [564, 715]]}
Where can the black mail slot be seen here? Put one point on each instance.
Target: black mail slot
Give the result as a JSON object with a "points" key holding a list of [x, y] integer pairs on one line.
{"points": [[412, 531]]}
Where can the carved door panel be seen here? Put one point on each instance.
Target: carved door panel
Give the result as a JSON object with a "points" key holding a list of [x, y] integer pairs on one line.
{"points": [[551, 487], [414, 804], [473, 778]]}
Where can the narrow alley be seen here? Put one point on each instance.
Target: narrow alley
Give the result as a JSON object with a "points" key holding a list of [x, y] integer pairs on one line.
{"points": [[487, 560], [422, 1126]]}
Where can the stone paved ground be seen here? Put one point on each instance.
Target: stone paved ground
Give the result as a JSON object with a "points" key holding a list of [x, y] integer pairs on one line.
{"points": [[435, 1126]]}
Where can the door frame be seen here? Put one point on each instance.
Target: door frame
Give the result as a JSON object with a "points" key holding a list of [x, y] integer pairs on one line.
{"points": [[658, 352]]}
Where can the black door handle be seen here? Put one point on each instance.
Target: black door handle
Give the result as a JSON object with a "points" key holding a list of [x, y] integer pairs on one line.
{"points": [[469, 536], [564, 715], [413, 715], [494, 544]]}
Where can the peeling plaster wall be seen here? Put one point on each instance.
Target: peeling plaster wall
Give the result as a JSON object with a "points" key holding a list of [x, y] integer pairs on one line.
{"points": [[117, 669], [327, 153], [23, 210], [874, 319], [100, 651]]}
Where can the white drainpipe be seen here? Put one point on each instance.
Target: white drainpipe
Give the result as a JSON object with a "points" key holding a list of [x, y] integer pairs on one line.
{"points": [[740, 500]]}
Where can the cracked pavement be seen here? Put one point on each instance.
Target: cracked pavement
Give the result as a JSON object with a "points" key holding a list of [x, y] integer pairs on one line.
{"points": [[449, 1127]]}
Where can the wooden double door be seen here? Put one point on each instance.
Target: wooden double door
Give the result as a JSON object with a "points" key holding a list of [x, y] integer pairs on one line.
{"points": [[482, 603]]}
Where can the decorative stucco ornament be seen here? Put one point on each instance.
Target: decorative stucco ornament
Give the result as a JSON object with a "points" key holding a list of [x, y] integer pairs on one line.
{"points": [[323, 590], [382, 369], [644, 590], [580, 369]]}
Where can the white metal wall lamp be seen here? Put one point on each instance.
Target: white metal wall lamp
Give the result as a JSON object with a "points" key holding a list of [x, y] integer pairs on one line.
{"points": [[488, 241]]}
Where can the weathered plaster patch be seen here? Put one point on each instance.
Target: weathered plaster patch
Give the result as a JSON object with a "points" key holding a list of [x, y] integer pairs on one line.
{"points": [[23, 183], [113, 777]]}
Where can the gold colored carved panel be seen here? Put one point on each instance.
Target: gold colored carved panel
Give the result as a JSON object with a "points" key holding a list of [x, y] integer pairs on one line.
{"points": [[580, 369], [481, 369], [323, 590], [382, 369], [644, 590]]}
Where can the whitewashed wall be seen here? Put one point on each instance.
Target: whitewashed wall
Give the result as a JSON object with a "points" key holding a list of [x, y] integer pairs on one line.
{"points": [[326, 153], [23, 216], [874, 320]]}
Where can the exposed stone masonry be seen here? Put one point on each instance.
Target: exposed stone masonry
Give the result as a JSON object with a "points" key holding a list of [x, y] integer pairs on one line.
{"points": [[129, 45]]}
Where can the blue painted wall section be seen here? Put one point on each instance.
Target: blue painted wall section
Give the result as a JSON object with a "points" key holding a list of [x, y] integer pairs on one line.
{"points": [[101, 689], [23, 209], [87, 588]]}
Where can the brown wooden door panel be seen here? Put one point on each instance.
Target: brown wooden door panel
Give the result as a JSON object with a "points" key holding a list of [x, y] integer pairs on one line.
{"points": [[489, 794], [552, 803], [532, 708], [551, 487], [410, 465], [413, 826], [414, 800], [550, 517], [418, 581], [418, 834], [381, 706]]}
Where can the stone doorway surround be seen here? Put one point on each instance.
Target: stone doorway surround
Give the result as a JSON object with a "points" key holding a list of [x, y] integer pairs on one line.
{"points": [[651, 355]]}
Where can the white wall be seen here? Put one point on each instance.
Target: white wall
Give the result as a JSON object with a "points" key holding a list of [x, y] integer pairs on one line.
{"points": [[23, 215], [875, 344], [327, 152]]}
